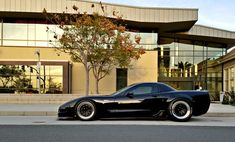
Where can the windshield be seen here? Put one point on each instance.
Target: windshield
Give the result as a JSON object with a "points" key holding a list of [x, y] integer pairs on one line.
{"points": [[122, 90]]}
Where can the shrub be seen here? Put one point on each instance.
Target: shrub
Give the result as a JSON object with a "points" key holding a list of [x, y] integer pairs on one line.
{"points": [[232, 102], [229, 98], [225, 99]]}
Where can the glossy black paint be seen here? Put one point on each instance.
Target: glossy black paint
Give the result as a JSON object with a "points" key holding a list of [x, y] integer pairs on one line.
{"points": [[140, 100]]}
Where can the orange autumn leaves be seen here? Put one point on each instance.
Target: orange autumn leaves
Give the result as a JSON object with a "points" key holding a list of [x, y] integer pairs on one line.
{"points": [[98, 42]]}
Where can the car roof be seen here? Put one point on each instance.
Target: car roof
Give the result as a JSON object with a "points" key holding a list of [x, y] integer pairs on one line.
{"points": [[148, 83]]}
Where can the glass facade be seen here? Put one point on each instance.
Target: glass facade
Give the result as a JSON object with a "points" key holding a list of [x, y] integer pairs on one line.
{"points": [[231, 79], [24, 78], [36, 35], [184, 64], [226, 79], [148, 40], [27, 34], [187, 65]]}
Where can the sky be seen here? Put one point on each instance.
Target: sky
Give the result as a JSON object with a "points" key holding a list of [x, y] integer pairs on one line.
{"points": [[214, 13]]}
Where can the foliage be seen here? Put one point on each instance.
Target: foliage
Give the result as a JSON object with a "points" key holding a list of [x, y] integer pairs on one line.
{"points": [[8, 73], [225, 99], [231, 94], [22, 84], [99, 43], [54, 88], [184, 66], [215, 96], [232, 102], [120, 51], [231, 97], [13, 79]]}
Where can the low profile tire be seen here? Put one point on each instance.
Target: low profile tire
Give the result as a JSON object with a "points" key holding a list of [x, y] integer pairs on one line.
{"points": [[86, 110], [180, 110]]}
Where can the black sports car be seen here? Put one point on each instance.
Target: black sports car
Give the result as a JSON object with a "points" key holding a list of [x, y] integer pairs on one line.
{"points": [[139, 100]]}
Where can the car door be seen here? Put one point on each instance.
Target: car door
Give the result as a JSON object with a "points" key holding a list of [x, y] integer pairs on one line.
{"points": [[136, 101]]}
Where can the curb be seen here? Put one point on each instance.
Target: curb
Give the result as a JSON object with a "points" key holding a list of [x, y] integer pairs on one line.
{"points": [[28, 113], [219, 114]]}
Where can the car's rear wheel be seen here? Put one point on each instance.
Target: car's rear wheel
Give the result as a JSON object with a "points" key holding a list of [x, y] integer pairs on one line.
{"points": [[180, 110], [86, 110]]}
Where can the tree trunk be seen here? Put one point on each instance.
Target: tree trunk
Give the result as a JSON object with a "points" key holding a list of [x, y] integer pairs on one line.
{"points": [[87, 80], [97, 86]]}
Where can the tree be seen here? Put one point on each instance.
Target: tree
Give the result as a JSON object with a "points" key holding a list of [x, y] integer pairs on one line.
{"points": [[184, 66], [104, 60], [95, 41], [8, 73], [22, 84]]}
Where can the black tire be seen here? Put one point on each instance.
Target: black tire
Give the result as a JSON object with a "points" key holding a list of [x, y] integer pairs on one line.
{"points": [[180, 110], [86, 110]]}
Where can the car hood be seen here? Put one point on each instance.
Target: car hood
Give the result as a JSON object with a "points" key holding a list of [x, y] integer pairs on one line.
{"points": [[73, 102]]}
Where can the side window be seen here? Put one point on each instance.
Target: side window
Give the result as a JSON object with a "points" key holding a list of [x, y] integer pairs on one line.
{"points": [[165, 88], [156, 89], [142, 89]]}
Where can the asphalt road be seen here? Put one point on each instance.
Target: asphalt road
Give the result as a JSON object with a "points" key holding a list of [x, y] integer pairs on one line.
{"points": [[114, 133], [52, 120]]}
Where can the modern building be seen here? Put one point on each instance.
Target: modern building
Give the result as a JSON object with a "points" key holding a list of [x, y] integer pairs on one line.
{"points": [[227, 62], [179, 52]]}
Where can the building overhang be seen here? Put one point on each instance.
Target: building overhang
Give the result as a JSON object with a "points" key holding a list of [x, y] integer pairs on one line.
{"points": [[146, 19], [217, 37], [168, 22], [159, 27]]}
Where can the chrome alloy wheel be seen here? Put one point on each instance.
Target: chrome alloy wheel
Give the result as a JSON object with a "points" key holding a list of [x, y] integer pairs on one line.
{"points": [[86, 110], [181, 110]]}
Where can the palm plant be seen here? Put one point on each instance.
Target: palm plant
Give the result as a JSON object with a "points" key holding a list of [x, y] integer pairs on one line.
{"points": [[184, 67]]}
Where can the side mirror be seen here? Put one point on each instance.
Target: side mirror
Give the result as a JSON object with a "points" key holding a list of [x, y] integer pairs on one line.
{"points": [[130, 95]]}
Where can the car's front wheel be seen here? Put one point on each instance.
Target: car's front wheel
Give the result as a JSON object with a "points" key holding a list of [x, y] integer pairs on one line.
{"points": [[180, 110], [86, 110]]}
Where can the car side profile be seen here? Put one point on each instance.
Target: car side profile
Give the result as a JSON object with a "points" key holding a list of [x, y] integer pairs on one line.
{"points": [[139, 100]]}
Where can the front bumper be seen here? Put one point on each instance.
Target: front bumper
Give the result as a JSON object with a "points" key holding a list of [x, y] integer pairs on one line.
{"points": [[66, 112]]}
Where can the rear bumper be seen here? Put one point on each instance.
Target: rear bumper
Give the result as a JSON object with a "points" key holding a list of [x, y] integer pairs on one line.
{"points": [[201, 105]]}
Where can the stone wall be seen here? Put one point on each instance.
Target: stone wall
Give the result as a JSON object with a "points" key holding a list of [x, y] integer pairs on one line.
{"points": [[36, 98]]}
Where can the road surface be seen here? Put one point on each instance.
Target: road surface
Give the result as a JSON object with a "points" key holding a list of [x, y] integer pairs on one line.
{"points": [[114, 133]]}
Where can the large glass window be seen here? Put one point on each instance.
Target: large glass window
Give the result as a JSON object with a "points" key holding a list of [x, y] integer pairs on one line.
{"points": [[41, 33], [18, 34], [15, 31], [37, 34], [226, 79], [187, 64], [175, 59], [214, 53], [24, 78], [146, 38], [31, 32], [231, 88]]}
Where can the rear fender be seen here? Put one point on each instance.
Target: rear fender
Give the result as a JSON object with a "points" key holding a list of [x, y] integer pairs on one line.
{"points": [[180, 97]]}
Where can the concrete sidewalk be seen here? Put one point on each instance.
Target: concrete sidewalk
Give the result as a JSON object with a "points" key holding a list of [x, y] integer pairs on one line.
{"points": [[216, 110], [28, 109]]}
